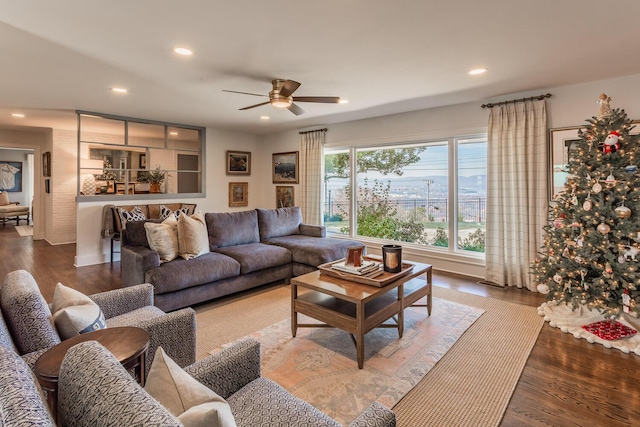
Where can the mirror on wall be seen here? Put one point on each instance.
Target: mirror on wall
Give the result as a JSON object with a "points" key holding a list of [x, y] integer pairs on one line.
{"points": [[121, 156]]}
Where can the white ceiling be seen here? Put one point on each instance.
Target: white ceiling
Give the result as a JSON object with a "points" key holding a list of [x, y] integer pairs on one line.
{"points": [[383, 56]]}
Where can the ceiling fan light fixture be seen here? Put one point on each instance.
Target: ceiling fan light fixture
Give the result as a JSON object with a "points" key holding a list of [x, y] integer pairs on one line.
{"points": [[280, 101]]}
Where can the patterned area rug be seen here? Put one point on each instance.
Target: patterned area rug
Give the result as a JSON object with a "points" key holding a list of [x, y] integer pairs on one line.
{"points": [[319, 365], [24, 230]]}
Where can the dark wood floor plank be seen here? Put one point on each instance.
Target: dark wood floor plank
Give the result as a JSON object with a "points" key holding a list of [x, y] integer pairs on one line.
{"points": [[566, 381]]}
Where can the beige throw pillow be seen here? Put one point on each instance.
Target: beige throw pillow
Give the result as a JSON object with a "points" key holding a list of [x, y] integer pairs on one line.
{"points": [[163, 238], [192, 402], [74, 313], [4, 198], [193, 238]]}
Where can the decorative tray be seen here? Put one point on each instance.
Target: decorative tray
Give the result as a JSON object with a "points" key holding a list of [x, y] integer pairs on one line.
{"points": [[380, 278]]}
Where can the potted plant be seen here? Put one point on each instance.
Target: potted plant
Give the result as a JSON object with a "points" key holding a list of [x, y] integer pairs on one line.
{"points": [[154, 178]]}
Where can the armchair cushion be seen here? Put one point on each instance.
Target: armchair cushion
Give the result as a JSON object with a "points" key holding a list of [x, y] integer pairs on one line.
{"points": [[75, 313], [182, 395], [26, 313]]}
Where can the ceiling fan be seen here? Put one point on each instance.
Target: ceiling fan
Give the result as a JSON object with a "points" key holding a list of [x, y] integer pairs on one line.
{"points": [[281, 96]]}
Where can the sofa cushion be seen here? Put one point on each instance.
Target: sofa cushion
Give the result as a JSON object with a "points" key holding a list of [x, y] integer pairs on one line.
{"points": [[4, 198], [21, 401], [74, 313], [137, 234], [181, 273], [193, 239], [232, 228], [27, 313], [314, 250], [263, 396], [257, 256], [163, 238], [279, 222], [180, 393]]}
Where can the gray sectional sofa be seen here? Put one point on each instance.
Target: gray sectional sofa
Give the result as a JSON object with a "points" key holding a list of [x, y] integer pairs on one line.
{"points": [[247, 249]]}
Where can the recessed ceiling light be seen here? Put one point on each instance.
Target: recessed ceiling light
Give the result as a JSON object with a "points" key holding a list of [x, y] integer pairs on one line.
{"points": [[119, 90], [264, 117], [18, 115], [343, 101], [477, 71], [173, 133], [183, 51]]}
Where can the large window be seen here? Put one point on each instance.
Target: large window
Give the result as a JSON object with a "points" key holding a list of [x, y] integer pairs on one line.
{"points": [[402, 193]]}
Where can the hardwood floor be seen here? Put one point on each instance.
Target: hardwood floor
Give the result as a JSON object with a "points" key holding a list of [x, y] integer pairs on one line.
{"points": [[566, 381]]}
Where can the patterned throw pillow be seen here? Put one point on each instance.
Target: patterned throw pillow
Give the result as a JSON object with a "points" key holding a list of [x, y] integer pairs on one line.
{"points": [[135, 214], [74, 313], [165, 212]]}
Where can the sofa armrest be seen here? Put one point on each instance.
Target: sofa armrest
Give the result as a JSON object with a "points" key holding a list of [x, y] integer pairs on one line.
{"points": [[120, 301], [313, 230], [135, 261], [175, 332], [229, 370], [375, 415]]}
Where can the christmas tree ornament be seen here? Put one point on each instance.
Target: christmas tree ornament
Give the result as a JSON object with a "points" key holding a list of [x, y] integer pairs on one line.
{"points": [[631, 169], [557, 278], [626, 301], [543, 288], [623, 212], [597, 187], [630, 253], [603, 228], [559, 222], [610, 179], [604, 110], [611, 143], [579, 259], [588, 204]]}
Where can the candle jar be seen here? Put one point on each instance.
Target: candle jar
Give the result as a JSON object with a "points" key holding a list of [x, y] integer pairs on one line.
{"points": [[392, 258]]}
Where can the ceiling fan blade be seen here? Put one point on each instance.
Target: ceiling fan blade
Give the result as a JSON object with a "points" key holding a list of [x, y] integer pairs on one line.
{"points": [[244, 93], [254, 106], [295, 109], [289, 87], [325, 99]]}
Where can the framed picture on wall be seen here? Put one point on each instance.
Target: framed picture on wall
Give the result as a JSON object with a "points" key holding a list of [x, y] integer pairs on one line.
{"points": [[285, 168], [284, 196], [238, 163], [561, 142], [238, 194], [10, 176], [46, 164], [142, 164]]}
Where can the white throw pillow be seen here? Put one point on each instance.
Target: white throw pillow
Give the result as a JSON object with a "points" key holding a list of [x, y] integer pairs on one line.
{"points": [[192, 402], [193, 238], [163, 238], [74, 313]]}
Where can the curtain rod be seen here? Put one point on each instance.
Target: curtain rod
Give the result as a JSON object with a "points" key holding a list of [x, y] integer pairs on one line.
{"points": [[497, 104], [315, 130]]}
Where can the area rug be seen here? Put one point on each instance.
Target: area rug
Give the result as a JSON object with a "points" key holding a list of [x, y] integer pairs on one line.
{"points": [[24, 230], [570, 321], [472, 383], [319, 364]]}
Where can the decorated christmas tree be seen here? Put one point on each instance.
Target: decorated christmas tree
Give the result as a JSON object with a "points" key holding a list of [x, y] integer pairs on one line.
{"points": [[591, 252]]}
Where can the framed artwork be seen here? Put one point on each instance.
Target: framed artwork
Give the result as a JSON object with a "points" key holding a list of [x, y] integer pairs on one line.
{"points": [[46, 164], [285, 168], [284, 196], [238, 194], [11, 176], [238, 163], [143, 161], [561, 141]]}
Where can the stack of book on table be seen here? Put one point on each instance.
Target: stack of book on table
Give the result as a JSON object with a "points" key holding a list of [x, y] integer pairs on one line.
{"points": [[366, 268]]}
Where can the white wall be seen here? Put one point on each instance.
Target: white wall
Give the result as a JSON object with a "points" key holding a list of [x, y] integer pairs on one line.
{"points": [[568, 106]]}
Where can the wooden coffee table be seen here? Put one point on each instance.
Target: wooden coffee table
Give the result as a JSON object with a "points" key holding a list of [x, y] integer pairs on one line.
{"points": [[128, 344], [357, 308]]}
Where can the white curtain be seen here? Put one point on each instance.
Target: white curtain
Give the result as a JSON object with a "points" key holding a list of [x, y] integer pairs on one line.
{"points": [[517, 194], [311, 173]]}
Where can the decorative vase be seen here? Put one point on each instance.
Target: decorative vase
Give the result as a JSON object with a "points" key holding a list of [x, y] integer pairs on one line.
{"points": [[154, 187]]}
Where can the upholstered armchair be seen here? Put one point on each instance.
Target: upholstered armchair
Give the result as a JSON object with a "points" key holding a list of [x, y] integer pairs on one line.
{"points": [[32, 332], [95, 390]]}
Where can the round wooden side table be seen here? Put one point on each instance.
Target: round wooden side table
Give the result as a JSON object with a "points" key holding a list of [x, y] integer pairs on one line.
{"points": [[128, 344]]}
